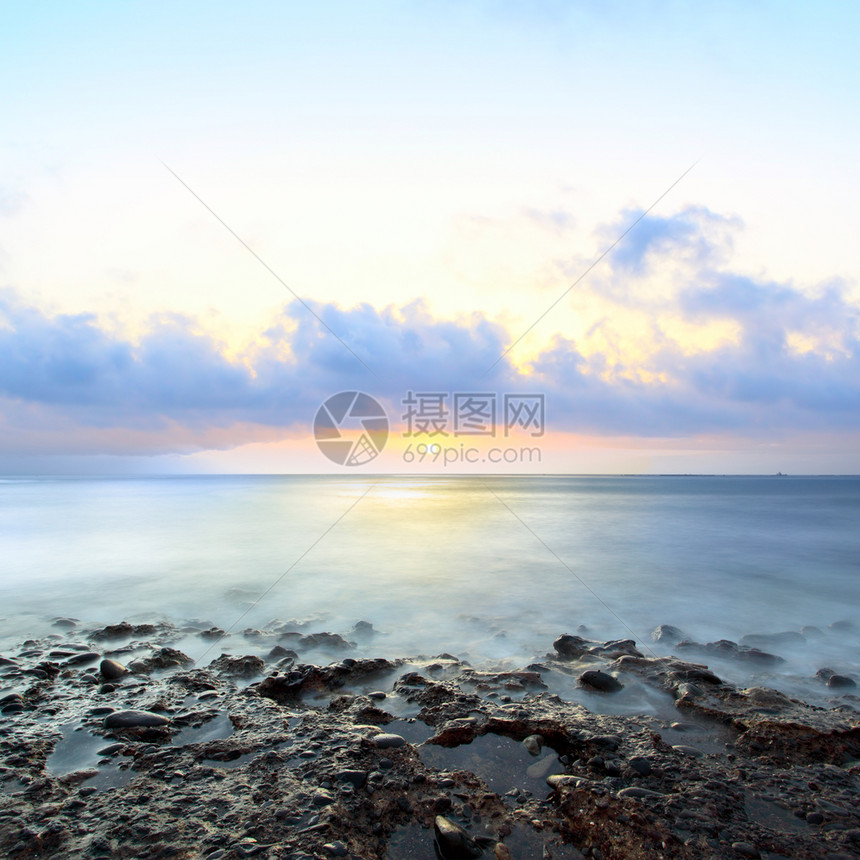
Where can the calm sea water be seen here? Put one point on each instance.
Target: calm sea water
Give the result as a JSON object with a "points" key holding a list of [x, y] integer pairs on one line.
{"points": [[494, 568]]}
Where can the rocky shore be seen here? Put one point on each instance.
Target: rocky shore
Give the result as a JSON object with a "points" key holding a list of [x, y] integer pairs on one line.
{"points": [[115, 743]]}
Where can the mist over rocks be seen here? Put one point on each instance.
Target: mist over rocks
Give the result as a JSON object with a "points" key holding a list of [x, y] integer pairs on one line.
{"points": [[269, 754]]}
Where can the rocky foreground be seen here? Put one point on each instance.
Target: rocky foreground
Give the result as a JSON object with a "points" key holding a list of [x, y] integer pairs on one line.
{"points": [[114, 744]]}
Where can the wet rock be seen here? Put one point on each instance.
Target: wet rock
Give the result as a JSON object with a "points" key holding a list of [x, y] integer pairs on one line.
{"points": [[356, 778], [335, 849], [325, 640], [388, 741], [687, 750], [65, 623], [745, 849], [640, 765], [212, 633], [533, 743], [602, 681], [570, 647], [453, 841], [112, 670], [238, 667], [122, 630], [82, 659], [842, 626], [616, 648], [162, 658], [134, 719]]}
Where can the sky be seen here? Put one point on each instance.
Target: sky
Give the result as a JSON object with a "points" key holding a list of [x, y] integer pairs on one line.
{"points": [[215, 216]]}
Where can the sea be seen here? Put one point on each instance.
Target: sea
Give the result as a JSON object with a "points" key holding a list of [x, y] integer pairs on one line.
{"points": [[490, 569]]}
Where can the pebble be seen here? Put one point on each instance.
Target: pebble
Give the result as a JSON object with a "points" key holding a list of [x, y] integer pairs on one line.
{"points": [[745, 849], [112, 670], [336, 849], [686, 750], [386, 741], [602, 681], [638, 793], [641, 765], [533, 743], [454, 841], [134, 719]]}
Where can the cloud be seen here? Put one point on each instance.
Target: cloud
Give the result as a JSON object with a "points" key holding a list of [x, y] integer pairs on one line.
{"points": [[69, 384]]}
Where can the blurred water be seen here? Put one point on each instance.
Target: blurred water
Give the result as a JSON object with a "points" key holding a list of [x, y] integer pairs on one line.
{"points": [[466, 565]]}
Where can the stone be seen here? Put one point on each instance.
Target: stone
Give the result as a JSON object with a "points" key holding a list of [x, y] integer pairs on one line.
{"points": [[533, 743], [388, 741], [687, 750], [335, 849], [112, 670], [640, 765], [134, 719], [841, 682], [454, 842], [356, 778], [745, 849], [602, 681], [667, 633], [571, 647]]}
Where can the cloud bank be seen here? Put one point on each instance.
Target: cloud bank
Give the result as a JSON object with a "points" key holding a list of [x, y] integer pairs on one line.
{"points": [[787, 360]]}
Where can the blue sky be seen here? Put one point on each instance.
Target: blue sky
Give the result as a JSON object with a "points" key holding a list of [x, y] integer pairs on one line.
{"points": [[430, 178]]}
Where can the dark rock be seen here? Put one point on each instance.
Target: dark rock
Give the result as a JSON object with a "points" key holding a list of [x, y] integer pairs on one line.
{"points": [[119, 631], [842, 626], [571, 647], [134, 719], [325, 640], [841, 682], [602, 681], [453, 841], [111, 670], [82, 659], [640, 765], [356, 778], [238, 667], [745, 849]]}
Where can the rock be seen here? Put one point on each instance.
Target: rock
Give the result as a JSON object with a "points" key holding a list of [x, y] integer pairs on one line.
{"points": [[602, 681], [336, 849], [238, 667], [686, 750], [842, 626], [745, 849], [111, 670], [640, 765], [134, 719], [65, 623], [667, 633], [119, 631], [325, 640], [356, 778], [388, 741], [571, 647], [841, 682], [82, 659], [453, 841], [533, 743]]}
